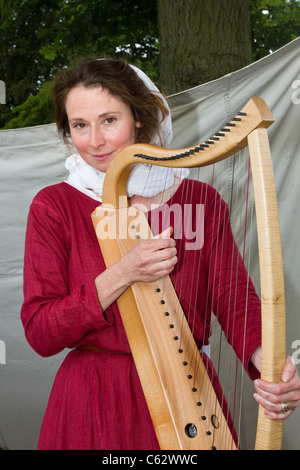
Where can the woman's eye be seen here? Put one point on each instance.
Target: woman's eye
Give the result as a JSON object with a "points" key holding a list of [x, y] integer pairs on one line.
{"points": [[110, 120], [79, 125]]}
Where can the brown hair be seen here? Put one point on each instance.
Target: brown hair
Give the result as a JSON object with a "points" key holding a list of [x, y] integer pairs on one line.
{"points": [[122, 82]]}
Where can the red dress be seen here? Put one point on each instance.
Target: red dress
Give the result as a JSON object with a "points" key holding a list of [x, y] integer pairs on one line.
{"points": [[97, 401]]}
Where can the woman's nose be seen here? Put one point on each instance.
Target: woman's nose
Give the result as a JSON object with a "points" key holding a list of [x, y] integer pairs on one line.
{"points": [[96, 138]]}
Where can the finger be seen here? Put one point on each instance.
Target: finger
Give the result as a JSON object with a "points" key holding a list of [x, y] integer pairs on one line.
{"points": [[275, 393], [289, 370], [165, 234], [275, 401], [153, 247], [166, 267], [282, 390], [157, 251], [277, 416], [166, 264], [163, 273], [289, 373], [160, 244], [157, 271], [161, 261], [272, 410]]}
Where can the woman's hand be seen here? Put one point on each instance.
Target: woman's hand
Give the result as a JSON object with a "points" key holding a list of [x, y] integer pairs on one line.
{"points": [[282, 398], [148, 261]]}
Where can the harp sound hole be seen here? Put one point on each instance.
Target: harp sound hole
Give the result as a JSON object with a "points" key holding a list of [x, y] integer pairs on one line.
{"points": [[191, 430], [215, 422]]}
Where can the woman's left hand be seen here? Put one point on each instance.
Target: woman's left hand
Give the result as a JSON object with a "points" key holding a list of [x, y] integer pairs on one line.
{"points": [[282, 398]]}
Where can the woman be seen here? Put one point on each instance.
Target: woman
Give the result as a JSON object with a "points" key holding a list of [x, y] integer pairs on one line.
{"points": [[69, 296]]}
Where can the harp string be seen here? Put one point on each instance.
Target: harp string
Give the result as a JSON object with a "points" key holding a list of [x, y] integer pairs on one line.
{"points": [[249, 222], [218, 334], [228, 361], [231, 363], [240, 195], [221, 369]]}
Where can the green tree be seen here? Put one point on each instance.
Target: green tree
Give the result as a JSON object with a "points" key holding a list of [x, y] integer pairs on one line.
{"points": [[35, 110], [203, 41], [274, 24], [38, 37], [22, 68]]}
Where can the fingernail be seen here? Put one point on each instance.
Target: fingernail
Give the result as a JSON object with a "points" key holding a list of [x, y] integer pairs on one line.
{"points": [[286, 377]]}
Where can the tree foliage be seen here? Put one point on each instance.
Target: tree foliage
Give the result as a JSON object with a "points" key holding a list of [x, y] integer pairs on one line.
{"points": [[38, 37], [274, 24]]}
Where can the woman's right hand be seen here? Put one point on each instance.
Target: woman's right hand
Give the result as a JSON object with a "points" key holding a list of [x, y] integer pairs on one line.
{"points": [[150, 259]]}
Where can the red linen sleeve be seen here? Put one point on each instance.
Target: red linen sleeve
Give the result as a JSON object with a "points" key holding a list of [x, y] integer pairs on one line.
{"points": [[54, 315]]}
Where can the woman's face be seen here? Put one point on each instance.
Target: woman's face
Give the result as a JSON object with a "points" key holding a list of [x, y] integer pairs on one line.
{"points": [[100, 125]]}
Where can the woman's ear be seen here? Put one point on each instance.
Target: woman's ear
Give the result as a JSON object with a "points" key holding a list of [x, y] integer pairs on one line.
{"points": [[138, 124]]}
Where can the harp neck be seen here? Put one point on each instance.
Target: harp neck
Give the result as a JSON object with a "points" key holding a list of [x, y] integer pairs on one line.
{"points": [[228, 140]]}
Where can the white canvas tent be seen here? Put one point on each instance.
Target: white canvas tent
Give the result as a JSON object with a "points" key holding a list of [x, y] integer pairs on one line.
{"points": [[32, 158]]}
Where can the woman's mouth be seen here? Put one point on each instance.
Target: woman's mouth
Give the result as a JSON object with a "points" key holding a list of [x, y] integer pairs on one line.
{"points": [[101, 158]]}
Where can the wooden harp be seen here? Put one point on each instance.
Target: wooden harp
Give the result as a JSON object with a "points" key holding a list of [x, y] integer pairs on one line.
{"points": [[180, 421]]}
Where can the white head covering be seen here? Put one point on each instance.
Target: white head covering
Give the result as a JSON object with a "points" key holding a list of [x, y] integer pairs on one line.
{"points": [[166, 130], [145, 180]]}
